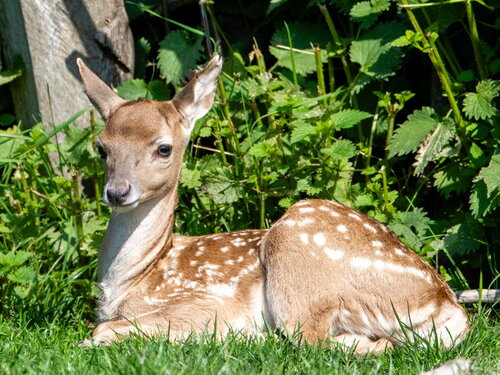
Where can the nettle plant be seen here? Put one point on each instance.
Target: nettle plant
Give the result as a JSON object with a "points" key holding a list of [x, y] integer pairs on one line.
{"points": [[331, 117]]}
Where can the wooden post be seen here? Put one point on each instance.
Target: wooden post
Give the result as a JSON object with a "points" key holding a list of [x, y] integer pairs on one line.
{"points": [[49, 36]]}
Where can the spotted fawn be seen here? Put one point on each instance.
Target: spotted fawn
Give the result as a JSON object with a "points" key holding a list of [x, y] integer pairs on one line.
{"points": [[323, 272]]}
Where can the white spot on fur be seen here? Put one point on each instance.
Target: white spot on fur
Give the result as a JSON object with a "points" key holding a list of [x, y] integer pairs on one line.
{"points": [[302, 203], [222, 290], [229, 262], [224, 249], [304, 210], [319, 239], [378, 252], [377, 244], [361, 262], [304, 237], [305, 222], [238, 242], [379, 264], [240, 259], [333, 254], [289, 222], [399, 251], [193, 263], [354, 216], [342, 228], [370, 228], [334, 213], [324, 208]]}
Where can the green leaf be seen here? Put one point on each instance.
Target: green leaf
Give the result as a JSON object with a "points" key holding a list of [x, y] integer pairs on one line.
{"points": [[22, 275], [302, 35], [367, 12], [17, 70], [479, 105], [482, 203], [364, 200], [75, 146], [342, 149], [190, 176], [465, 237], [286, 202], [412, 132], [222, 188], [347, 118], [178, 55], [453, 179], [491, 173], [411, 226], [158, 90], [433, 144], [373, 51], [301, 130], [485, 195], [133, 89], [14, 258]]}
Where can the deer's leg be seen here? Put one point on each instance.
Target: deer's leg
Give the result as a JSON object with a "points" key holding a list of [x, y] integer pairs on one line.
{"points": [[449, 325], [111, 331], [363, 344]]}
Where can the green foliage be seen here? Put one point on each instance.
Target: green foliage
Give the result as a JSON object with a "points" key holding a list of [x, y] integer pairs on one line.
{"points": [[322, 110], [17, 70], [367, 12], [410, 135], [478, 105], [177, 56], [303, 36]]}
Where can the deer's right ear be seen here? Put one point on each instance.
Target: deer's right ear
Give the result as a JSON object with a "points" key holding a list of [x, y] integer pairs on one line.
{"points": [[100, 94], [196, 99]]}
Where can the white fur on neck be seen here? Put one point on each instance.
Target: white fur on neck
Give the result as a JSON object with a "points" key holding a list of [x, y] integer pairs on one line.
{"points": [[133, 240]]}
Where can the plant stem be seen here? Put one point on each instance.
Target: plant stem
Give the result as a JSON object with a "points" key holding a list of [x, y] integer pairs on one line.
{"points": [[319, 74], [441, 71], [345, 64], [260, 58], [391, 119], [331, 72], [227, 115], [78, 204], [474, 37], [292, 57], [95, 177]]}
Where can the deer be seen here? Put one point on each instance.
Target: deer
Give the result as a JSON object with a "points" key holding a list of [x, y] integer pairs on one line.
{"points": [[323, 272]]}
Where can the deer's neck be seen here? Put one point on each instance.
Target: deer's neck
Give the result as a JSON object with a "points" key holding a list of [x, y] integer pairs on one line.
{"points": [[133, 240]]}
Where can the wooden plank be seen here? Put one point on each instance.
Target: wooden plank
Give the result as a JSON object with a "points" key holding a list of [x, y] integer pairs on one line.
{"points": [[472, 296], [50, 35]]}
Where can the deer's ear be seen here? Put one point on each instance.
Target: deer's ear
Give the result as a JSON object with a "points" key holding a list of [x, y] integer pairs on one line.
{"points": [[100, 94], [196, 99]]}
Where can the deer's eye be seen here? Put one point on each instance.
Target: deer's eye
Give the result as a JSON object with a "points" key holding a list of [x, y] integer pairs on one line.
{"points": [[164, 150], [101, 151]]}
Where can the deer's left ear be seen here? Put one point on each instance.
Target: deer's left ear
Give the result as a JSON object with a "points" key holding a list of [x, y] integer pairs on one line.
{"points": [[196, 99], [100, 94]]}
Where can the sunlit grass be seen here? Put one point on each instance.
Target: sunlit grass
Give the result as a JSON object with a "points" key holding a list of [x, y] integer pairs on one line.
{"points": [[53, 349]]}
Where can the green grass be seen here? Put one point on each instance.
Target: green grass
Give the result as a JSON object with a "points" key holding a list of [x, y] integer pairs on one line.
{"points": [[53, 349]]}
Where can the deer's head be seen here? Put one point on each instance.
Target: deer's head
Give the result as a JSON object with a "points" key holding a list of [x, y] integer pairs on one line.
{"points": [[143, 142]]}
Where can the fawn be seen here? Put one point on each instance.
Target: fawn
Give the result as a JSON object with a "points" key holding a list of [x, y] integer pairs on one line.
{"points": [[328, 271]]}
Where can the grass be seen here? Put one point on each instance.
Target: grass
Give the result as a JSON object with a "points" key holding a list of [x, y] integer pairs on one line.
{"points": [[53, 349]]}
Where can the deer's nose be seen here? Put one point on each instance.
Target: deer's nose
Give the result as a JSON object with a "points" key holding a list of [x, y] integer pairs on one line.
{"points": [[118, 194]]}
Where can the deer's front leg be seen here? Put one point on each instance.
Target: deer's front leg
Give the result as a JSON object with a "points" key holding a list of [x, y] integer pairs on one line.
{"points": [[112, 331]]}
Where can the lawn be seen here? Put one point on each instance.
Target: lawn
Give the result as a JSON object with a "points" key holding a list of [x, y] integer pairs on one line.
{"points": [[53, 349]]}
